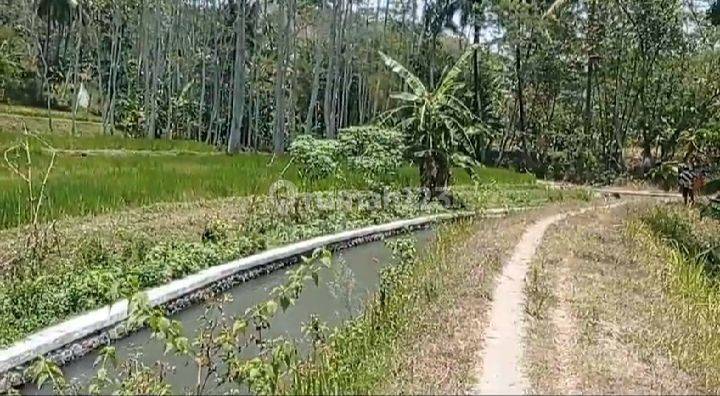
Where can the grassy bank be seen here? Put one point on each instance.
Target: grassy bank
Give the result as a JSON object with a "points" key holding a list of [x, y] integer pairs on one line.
{"points": [[16, 123], [598, 320], [358, 357], [682, 250], [27, 111], [104, 142]]}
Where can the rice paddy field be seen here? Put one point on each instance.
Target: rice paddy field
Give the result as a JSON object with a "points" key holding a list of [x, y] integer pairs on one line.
{"points": [[97, 174]]}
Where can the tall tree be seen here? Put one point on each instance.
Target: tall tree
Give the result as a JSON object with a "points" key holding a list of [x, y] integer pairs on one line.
{"points": [[238, 100]]}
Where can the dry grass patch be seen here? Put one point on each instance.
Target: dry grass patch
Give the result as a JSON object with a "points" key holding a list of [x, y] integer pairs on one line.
{"points": [[442, 352], [597, 332]]}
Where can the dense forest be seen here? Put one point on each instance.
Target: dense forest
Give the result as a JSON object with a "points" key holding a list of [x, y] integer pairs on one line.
{"points": [[586, 89]]}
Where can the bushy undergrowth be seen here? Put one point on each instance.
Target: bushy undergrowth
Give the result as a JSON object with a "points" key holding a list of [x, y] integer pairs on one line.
{"points": [[696, 238], [711, 211], [30, 300]]}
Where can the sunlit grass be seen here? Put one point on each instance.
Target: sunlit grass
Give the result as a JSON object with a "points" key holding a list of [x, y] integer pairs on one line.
{"points": [[26, 111], [691, 286], [99, 174]]}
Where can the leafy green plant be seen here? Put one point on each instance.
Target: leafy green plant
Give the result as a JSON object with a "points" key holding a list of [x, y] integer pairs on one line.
{"points": [[316, 158], [10, 66], [376, 152], [711, 210], [44, 370]]}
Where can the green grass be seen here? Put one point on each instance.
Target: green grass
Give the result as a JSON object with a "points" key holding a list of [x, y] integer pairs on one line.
{"points": [[697, 238], [99, 184], [103, 142], [95, 173], [42, 113], [94, 184], [498, 175], [691, 288], [17, 124]]}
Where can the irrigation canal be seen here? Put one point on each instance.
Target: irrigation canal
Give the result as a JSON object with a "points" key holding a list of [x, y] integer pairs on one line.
{"points": [[340, 295]]}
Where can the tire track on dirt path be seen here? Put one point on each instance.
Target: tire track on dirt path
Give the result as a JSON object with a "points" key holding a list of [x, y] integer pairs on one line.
{"points": [[499, 370]]}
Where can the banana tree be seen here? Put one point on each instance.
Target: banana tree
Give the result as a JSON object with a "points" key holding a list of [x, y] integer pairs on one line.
{"points": [[435, 123]]}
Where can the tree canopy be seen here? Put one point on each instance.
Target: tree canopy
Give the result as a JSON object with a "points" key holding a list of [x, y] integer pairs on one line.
{"points": [[579, 90]]}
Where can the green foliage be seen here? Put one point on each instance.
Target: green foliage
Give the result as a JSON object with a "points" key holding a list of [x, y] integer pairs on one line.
{"points": [[684, 232], [376, 152], [704, 144], [714, 13], [43, 370], [317, 159], [435, 123], [711, 210], [691, 299], [665, 175], [10, 67]]}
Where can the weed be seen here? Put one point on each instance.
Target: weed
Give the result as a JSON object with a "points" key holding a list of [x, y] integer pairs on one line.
{"points": [[538, 291]]}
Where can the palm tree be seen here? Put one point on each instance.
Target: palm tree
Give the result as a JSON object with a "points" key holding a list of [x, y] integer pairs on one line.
{"points": [[434, 123]]}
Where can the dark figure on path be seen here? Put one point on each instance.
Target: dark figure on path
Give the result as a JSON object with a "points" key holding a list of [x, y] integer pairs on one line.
{"points": [[690, 182]]}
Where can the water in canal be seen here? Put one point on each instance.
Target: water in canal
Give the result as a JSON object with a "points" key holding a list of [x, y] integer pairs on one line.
{"points": [[343, 289]]}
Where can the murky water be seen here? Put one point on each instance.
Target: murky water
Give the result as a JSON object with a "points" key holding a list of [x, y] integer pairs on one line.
{"points": [[340, 296]]}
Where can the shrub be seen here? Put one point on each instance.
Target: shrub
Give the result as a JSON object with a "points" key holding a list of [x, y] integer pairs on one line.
{"points": [[316, 158], [377, 153]]}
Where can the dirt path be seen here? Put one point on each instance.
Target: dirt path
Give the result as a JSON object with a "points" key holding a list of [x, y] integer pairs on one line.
{"points": [[500, 368], [440, 355], [575, 308], [597, 317]]}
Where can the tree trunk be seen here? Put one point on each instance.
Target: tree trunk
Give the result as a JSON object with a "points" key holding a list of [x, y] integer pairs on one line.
{"points": [[310, 118], [238, 100], [76, 71], [590, 66], [476, 71], [329, 109], [521, 106], [283, 33]]}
